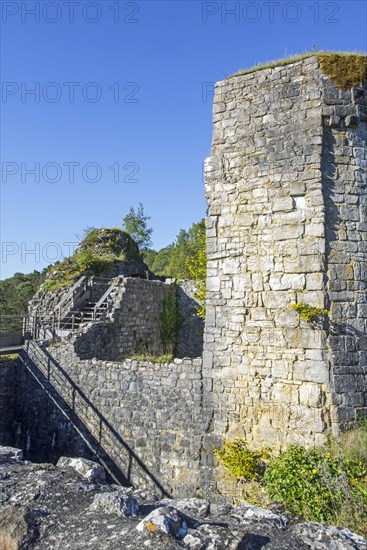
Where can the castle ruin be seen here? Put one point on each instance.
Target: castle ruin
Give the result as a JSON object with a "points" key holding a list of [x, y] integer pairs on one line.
{"points": [[287, 224]]}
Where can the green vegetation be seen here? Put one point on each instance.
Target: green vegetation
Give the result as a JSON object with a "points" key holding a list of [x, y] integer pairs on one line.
{"points": [[328, 484], [196, 264], [240, 461], [307, 482], [151, 358], [174, 259], [170, 321], [309, 313], [10, 356], [98, 251], [15, 293], [184, 259], [136, 225], [346, 69]]}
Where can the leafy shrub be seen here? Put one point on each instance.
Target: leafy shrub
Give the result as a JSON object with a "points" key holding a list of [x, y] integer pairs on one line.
{"points": [[196, 264], [307, 482], [309, 313], [325, 484], [240, 461]]}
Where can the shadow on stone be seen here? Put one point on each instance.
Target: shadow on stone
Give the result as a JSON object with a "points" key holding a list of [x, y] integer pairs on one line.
{"points": [[91, 426]]}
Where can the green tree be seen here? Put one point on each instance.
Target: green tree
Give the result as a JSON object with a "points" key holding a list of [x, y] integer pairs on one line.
{"points": [[15, 293], [196, 262], [136, 224], [174, 260]]}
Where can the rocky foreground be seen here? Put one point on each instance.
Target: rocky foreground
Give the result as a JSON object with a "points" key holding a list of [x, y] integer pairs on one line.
{"points": [[70, 506]]}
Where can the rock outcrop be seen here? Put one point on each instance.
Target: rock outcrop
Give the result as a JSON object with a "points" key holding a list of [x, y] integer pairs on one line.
{"points": [[46, 507]]}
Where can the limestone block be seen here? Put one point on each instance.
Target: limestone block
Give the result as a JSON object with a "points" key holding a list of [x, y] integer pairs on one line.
{"points": [[311, 371], [293, 281], [284, 204], [286, 232], [87, 468], [246, 513], [285, 393], [287, 318], [276, 299], [116, 502], [213, 284], [280, 369], [165, 520], [310, 394], [314, 281]]}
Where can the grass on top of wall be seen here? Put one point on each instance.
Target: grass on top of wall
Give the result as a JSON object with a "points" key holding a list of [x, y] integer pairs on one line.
{"points": [[345, 69]]}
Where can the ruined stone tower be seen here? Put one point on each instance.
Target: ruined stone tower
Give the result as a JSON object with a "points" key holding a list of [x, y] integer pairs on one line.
{"points": [[287, 194]]}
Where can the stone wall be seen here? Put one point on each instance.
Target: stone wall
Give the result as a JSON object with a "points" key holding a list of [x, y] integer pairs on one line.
{"points": [[286, 190], [144, 422], [344, 159], [8, 371], [134, 324]]}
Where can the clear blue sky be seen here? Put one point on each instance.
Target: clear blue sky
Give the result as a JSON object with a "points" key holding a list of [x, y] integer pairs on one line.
{"points": [[159, 55]]}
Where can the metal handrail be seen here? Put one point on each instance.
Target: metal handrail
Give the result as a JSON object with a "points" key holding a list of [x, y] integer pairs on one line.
{"points": [[66, 312], [70, 293], [70, 297], [102, 300]]}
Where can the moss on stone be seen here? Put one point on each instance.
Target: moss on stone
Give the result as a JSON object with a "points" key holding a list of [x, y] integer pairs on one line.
{"points": [[345, 70]]}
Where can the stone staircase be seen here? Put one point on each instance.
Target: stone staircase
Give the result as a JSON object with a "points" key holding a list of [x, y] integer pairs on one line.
{"points": [[86, 314], [89, 300]]}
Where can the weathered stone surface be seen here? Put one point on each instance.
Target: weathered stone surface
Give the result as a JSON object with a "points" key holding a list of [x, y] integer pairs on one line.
{"points": [[87, 468], [149, 418], [285, 186], [321, 537], [43, 508], [10, 453], [251, 514], [18, 527], [117, 502], [131, 324], [211, 536], [165, 520], [197, 507]]}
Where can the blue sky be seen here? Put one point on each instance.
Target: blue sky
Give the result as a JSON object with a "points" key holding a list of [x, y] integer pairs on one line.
{"points": [[127, 85]]}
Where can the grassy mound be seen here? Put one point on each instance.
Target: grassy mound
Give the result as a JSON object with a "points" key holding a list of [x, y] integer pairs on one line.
{"points": [[97, 252]]}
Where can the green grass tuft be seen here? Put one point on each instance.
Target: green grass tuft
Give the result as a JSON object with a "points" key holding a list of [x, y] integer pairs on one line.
{"points": [[165, 358]]}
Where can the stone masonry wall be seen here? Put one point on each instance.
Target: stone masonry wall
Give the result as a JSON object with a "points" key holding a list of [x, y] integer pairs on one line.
{"points": [[145, 421], [134, 326], [135, 323], [273, 191], [344, 164]]}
